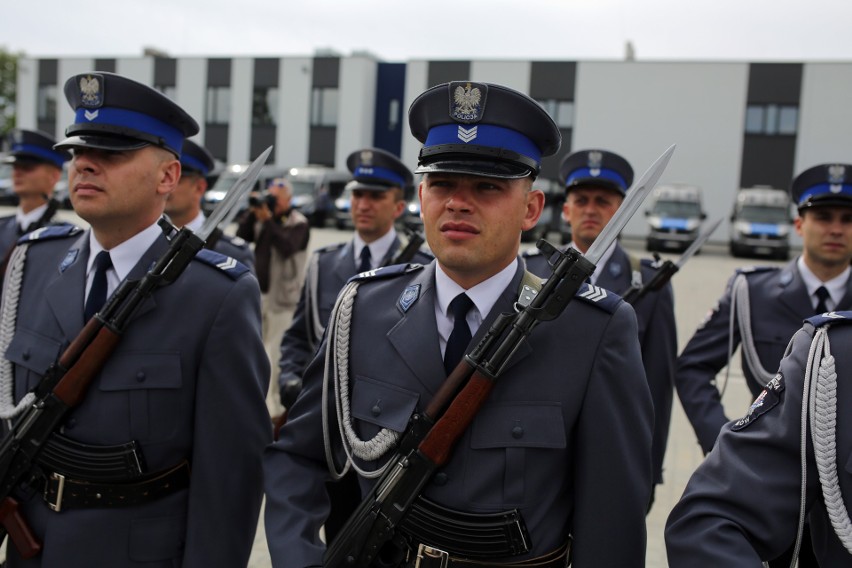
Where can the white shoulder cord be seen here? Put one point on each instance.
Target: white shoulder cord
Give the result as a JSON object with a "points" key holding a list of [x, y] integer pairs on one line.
{"points": [[740, 298], [337, 365], [312, 302], [8, 321], [823, 421]]}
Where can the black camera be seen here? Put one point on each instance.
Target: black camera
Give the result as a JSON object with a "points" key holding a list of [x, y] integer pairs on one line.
{"points": [[259, 199]]}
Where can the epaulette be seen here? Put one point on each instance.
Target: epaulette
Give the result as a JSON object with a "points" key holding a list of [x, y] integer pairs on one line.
{"points": [[386, 272], [756, 269], [830, 317], [237, 241], [230, 266], [600, 297], [534, 251], [330, 248], [51, 232]]}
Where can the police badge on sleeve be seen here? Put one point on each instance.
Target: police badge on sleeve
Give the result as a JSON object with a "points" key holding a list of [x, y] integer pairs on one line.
{"points": [[764, 402]]}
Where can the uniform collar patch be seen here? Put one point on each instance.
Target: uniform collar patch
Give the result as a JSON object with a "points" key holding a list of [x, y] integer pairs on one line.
{"points": [[408, 297], [69, 259]]}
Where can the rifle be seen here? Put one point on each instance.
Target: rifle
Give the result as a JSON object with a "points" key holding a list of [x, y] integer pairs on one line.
{"points": [[430, 436], [66, 381], [667, 269], [415, 241]]}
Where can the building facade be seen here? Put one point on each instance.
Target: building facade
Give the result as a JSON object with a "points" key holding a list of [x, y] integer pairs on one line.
{"points": [[736, 124]]}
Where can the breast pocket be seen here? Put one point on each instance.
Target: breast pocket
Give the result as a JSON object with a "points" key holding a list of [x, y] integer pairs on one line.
{"points": [[31, 354], [513, 447], [142, 397], [377, 404]]}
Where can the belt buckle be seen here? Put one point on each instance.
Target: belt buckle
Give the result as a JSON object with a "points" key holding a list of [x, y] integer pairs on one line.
{"points": [[431, 557], [55, 506]]}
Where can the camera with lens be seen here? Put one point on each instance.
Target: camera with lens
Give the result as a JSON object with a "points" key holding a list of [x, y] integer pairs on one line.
{"points": [[261, 199]]}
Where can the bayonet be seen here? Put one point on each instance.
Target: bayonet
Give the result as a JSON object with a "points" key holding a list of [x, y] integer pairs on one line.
{"points": [[634, 198]]}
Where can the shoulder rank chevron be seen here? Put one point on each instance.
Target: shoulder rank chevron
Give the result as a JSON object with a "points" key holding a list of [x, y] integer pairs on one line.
{"points": [[830, 317], [329, 248], [386, 272], [756, 269], [230, 266], [600, 297], [59, 231]]}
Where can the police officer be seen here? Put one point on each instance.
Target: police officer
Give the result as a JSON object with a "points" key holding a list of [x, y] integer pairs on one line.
{"points": [[555, 452], [377, 201], [768, 304], [378, 193], [36, 169], [184, 204], [181, 399], [743, 503], [596, 181]]}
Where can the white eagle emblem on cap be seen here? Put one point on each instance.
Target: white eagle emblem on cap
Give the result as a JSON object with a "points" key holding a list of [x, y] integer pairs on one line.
{"points": [[90, 91], [836, 174], [595, 161], [366, 158], [466, 101]]}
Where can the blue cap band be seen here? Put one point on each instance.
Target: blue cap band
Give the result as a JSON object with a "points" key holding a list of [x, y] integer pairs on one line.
{"points": [[192, 163], [379, 173], [172, 137], [824, 190], [48, 155], [585, 174], [483, 135]]}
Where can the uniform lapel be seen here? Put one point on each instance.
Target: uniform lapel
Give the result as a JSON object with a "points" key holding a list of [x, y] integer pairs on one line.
{"points": [[846, 301], [344, 267], [391, 252], [794, 296], [66, 290], [615, 272], [423, 356], [154, 252]]}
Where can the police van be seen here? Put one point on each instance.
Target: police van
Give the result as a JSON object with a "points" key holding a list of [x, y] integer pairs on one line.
{"points": [[761, 223], [674, 217]]}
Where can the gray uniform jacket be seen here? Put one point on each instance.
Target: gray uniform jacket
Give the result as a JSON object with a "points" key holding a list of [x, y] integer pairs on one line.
{"points": [[742, 503], [564, 437], [329, 268], [187, 382], [657, 336], [10, 232], [779, 303]]}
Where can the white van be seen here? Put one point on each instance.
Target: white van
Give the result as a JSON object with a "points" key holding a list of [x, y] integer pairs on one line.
{"points": [[674, 217], [761, 223]]}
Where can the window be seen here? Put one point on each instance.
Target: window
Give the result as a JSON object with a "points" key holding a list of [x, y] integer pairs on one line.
{"points": [[218, 105], [772, 120], [324, 107], [168, 90], [562, 112], [264, 108], [393, 114], [46, 108]]}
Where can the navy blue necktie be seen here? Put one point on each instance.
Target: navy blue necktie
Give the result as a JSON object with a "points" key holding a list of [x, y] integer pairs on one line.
{"points": [[98, 291], [460, 337], [365, 260], [822, 295]]}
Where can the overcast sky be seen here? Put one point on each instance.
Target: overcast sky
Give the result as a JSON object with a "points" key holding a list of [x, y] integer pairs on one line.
{"points": [[740, 30]]}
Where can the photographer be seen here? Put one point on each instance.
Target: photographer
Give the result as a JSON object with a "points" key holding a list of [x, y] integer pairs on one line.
{"points": [[280, 236]]}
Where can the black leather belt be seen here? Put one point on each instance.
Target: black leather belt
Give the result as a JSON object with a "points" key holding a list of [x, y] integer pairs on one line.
{"points": [[430, 557], [481, 536], [62, 492]]}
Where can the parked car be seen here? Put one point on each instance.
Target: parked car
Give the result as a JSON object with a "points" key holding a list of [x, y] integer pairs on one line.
{"points": [[315, 189], [761, 223], [228, 177], [675, 217]]}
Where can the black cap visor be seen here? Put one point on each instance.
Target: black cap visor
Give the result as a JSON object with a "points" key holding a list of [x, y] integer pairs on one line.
{"points": [[368, 185], [827, 200], [596, 183], [481, 168], [101, 142]]}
